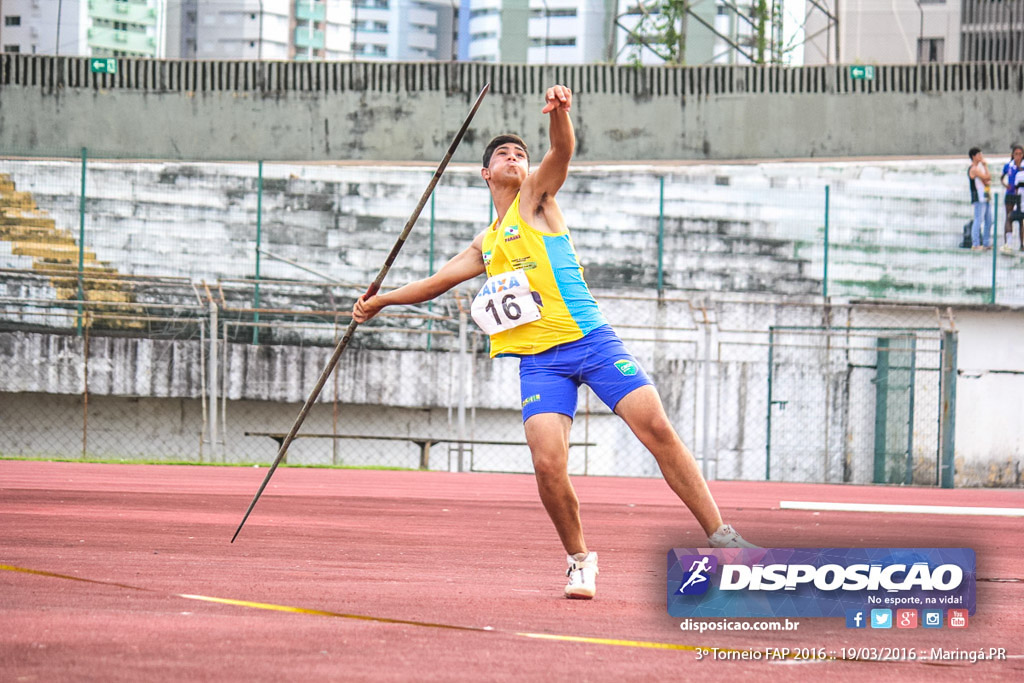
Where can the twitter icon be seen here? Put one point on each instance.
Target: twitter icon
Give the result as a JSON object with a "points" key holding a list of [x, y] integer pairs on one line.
{"points": [[881, 618]]}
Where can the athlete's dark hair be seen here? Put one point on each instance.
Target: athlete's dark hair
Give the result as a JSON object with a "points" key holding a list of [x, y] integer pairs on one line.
{"points": [[502, 140], [972, 152]]}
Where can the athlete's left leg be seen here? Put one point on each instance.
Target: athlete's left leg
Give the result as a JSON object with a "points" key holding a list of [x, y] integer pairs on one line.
{"points": [[643, 412]]}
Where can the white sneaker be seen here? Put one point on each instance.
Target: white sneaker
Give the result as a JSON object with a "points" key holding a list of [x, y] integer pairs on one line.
{"points": [[1006, 249], [582, 575], [726, 537]]}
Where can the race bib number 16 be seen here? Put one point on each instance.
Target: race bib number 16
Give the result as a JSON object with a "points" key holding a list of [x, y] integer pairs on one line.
{"points": [[505, 302]]}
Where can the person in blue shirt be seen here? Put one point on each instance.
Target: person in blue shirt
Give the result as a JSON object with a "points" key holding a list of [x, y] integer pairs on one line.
{"points": [[1011, 179]]}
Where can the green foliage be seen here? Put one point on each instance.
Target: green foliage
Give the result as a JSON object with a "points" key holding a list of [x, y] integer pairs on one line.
{"points": [[661, 29]]}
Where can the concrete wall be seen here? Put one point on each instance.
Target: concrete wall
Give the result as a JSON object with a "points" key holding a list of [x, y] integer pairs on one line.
{"points": [[410, 112], [146, 397]]}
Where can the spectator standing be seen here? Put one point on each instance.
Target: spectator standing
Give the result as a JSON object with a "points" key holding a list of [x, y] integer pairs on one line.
{"points": [[1011, 202], [979, 179]]}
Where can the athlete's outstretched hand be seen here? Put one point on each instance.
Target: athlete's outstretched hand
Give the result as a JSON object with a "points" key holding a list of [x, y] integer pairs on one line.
{"points": [[557, 97], [364, 308]]}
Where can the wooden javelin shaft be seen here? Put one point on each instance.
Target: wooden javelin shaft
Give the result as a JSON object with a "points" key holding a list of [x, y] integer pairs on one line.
{"points": [[371, 290]]}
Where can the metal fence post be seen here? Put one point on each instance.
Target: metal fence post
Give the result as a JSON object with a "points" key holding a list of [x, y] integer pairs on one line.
{"points": [[212, 378], [430, 268], [661, 237], [947, 416], [705, 436], [81, 245], [995, 216], [824, 292], [85, 391], [463, 374], [768, 439], [912, 360], [259, 238]]}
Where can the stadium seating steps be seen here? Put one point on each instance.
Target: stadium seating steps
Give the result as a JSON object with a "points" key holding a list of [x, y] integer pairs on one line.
{"points": [[163, 230]]}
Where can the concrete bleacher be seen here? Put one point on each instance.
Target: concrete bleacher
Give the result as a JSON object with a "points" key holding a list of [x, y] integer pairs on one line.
{"points": [[43, 264], [747, 228]]}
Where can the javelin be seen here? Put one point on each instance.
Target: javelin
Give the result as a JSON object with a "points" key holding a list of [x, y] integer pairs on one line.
{"points": [[373, 288]]}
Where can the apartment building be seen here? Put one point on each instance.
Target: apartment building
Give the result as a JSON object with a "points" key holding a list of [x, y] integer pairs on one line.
{"points": [[102, 28], [185, 29], [992, 30], [260, 29], [883, 32], [535, 31], [405, 30]]}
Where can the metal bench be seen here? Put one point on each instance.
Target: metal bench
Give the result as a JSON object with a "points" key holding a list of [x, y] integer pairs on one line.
{"points": [[424, 442]]}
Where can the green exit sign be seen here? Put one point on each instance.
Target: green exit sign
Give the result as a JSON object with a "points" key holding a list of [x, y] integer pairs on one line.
{"points": [[862, 73], [103, 66]]}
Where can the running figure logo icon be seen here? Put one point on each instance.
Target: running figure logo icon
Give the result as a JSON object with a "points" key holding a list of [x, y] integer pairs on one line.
{"points": [[696, 580]]}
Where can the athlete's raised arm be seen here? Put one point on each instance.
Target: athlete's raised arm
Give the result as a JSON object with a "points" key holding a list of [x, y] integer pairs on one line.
{"points": [[464, 266], [538, 190]]}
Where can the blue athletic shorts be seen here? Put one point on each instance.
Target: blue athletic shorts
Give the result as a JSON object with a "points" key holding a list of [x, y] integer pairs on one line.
{"points": [[549, 381]]}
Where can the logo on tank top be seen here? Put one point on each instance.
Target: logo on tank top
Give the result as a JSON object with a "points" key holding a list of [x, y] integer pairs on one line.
{"points": [[512, 233], [524, 263], [488, 255]]}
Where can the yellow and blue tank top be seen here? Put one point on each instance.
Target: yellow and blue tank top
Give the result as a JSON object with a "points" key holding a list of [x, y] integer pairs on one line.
{"points": [[568, 309]]}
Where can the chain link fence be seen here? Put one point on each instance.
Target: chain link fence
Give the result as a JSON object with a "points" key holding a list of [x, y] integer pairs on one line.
{"points": [[828, 394], [157, 311]]}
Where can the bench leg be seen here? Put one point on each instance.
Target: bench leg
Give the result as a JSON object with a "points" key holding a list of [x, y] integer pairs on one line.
{"points": [[280, 442]]}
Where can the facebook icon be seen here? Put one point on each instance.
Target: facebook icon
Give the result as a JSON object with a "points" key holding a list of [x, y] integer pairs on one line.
{"points": [[855, 618]]}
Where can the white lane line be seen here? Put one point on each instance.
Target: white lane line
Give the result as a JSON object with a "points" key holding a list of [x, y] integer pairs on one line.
{"points": [[907, 509]]}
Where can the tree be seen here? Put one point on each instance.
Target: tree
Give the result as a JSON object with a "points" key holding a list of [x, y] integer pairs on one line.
{"points": [[660, 29]]}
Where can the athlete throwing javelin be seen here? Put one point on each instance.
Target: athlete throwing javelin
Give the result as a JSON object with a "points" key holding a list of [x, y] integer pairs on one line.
{"points": [[537, 307]]}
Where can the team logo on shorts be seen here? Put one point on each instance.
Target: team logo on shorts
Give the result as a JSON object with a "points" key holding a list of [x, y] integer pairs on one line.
{"points": [[627, 367], [530, 399]]}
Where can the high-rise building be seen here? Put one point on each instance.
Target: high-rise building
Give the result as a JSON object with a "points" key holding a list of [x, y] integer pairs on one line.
{"points": [[260, 29], [992, 31], [26, 28], [185, 29], [104, 28], [404, 30], [534, 31], [883, 31]]}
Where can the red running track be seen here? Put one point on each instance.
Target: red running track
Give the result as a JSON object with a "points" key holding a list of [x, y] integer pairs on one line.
{"points": [[125, 572]]}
